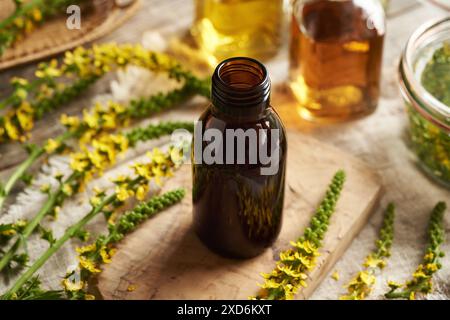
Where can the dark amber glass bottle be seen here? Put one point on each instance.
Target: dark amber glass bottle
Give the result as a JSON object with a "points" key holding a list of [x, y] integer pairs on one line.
{"points": [[238, 196]]}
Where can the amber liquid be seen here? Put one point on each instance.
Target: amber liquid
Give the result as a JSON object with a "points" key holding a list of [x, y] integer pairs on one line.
{"points": [[227, 28], [238, 211], [335, 60]]}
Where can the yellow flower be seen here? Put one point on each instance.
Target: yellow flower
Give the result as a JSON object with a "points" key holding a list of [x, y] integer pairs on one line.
{"points": [[157, 156], [86, 249], [123, 193], [37, 15], [412, 295], [429, 256], [372, 262], [142, 170], [90, 119], [25, 116], [131, 288], [419, 274], [95, 201], [79, 162], [48, 71], [67, 189], [335, 275], [8, 233], [19, 22], [72, 286], [89, 297], [141, 192], [107, 254], [51, 146], [432, 267], [71, 122], [366, 278], [88, 265], [11, 129]]}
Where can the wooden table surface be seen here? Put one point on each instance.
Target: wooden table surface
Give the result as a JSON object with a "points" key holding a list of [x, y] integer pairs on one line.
{"points": [[377, 139]]}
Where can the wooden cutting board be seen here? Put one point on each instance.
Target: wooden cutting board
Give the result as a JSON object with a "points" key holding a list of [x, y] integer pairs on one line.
{"points": [[164, 259]]}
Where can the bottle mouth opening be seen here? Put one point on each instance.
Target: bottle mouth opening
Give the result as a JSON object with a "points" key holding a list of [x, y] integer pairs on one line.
{"points": [[241, 73], [241, 83]]}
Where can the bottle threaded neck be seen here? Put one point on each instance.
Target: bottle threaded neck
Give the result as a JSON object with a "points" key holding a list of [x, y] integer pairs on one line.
{"points": [[241, 86]]}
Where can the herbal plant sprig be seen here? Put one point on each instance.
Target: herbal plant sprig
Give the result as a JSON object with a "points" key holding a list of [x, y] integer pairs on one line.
{"points": [[361, 285], [57, 83], [27, 16], [104, 119], [422, 284], [34, 153], [294, 264], [162, 164], [92, 256], [85, 165]]}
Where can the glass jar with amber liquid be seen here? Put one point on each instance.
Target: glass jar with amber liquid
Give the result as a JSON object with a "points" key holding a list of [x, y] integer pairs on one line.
{"points": [[335, 57], [228, 28]]}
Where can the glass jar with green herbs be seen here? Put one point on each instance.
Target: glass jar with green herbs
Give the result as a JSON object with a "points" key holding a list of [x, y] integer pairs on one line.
{"points": [[425, 85]]}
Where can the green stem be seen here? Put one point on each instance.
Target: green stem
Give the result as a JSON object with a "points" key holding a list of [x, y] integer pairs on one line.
{"points": [[70, 232], [18, 173], [32, 225], [24, 166]]}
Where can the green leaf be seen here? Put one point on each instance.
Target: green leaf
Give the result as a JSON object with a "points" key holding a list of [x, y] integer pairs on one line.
{"points": [[47, 235], [27, 178], [83, 235]]}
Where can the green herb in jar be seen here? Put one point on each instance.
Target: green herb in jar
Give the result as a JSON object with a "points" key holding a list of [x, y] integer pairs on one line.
{"points": [[431, 142], [436, 75]]}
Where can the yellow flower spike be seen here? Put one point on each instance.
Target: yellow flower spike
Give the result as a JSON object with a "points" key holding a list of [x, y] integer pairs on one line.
{"points": [[51, 146], [412, 295], [73, 286], [88, 265]]}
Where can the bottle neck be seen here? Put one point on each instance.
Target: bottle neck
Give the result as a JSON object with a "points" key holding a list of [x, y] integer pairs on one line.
{"points": [[241, 88]]}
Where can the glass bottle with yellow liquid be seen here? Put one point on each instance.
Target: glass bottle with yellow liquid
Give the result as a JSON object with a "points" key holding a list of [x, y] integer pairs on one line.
{"points": [[227, 28], [335, 57]]}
